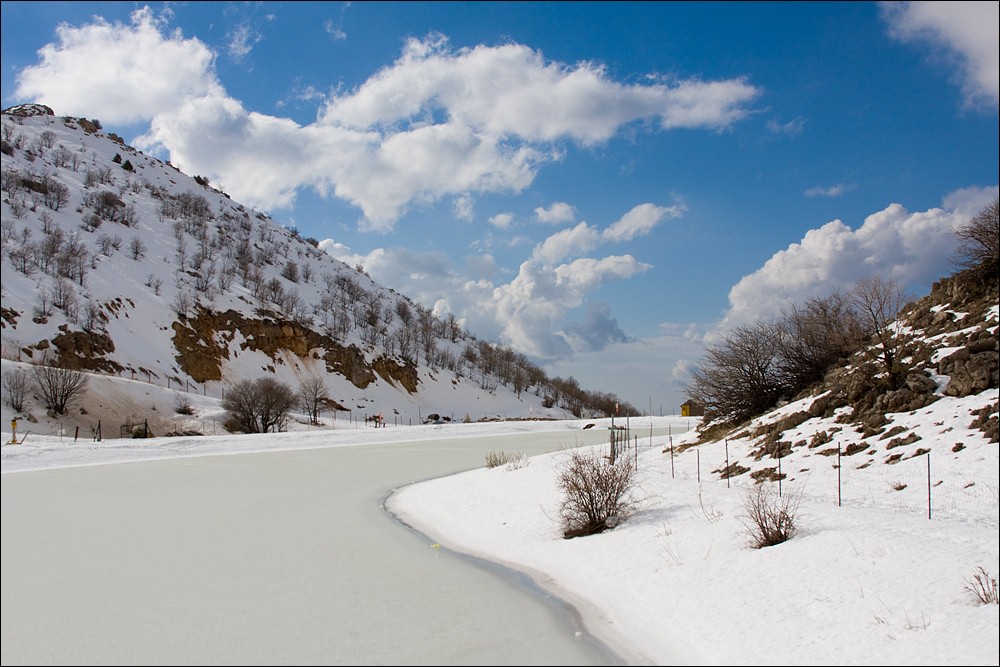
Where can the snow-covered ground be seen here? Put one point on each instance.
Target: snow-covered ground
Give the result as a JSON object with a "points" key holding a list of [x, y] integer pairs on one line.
{"points": [[871, 580]]}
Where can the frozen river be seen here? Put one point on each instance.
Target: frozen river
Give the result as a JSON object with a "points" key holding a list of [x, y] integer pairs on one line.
{"points": [[284, 557]]}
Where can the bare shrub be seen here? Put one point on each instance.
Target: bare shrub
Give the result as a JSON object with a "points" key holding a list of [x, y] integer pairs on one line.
{"points": [[770, 518], [182, 404], [517, 462], [597, 494], [258, 406], [984, 587], [512, 461], [496, 459], [16, 384], [59, 386]]}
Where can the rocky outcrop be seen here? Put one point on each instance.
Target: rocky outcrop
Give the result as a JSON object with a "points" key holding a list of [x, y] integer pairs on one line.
{"points": [[204, 341], [973, 368]]}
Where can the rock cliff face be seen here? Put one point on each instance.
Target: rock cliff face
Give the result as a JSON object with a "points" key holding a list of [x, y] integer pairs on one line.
{"points": [[206, 339]]}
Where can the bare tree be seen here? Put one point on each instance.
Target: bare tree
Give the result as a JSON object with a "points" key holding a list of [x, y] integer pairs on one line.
{"points": [[878, 302], [105, 244], [155, 283], [291, 271], [43, 307], [258, 406], [24, 258], [17, 384], [59, 386], [313, 393], [818, 335], [979, 248], [63, 295], [182, 303], [93, 318], [740, 377], [56, 193]]}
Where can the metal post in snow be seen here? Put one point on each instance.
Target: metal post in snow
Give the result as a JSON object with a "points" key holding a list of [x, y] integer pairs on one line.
{"points": [[928, 485], [838, 475], [698, 459], [779, 471], [727, 463], [650, 421]]}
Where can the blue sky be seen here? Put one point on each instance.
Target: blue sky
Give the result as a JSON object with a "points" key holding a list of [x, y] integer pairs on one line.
{"points": [[606, 187]]}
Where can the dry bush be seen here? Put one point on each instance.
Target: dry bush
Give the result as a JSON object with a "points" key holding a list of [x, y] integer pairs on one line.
{"points": [[517, 462], [984, 587], [182, 405], [17, 387], [597, 494], [258, 406], [770, 518], [496, 459], [59, 386]]}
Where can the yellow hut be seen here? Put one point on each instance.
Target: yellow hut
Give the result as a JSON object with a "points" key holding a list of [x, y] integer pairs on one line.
{"points": [[692, 408]]}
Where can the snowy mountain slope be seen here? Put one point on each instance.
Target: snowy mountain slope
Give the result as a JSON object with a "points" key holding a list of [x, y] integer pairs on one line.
{"points": [[118, 264]]}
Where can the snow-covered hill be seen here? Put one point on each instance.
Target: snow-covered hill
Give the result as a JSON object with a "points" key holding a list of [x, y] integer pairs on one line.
{"points": [[166, 292], [117, 264]]}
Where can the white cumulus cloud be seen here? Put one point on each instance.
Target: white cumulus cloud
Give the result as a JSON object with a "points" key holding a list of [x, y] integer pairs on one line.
{"points": [[556, 213], [640, 221], [117, 72], [436, 123], [966, 33], [502, 220], [907, 248]]}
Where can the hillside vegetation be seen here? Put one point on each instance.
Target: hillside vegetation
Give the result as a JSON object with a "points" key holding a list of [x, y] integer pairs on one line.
{"points": [[859, 375]]}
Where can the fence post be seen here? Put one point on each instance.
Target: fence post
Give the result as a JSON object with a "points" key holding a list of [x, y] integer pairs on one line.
{"points": [[698, 459], [671, 460], [838, 475], [727, 463], [779, 470], [928, 485]]}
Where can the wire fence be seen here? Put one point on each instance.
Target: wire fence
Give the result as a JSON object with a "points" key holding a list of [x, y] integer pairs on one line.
{"points": [[911, 485]]}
